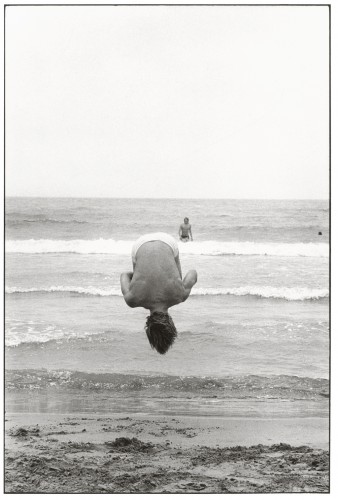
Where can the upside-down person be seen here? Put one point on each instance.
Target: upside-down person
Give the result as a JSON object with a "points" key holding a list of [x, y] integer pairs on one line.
{"points": [[156, 284]]}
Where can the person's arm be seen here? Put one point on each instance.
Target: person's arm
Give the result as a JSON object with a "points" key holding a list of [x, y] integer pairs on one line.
{"points": [[178, 264], [189, 281], [125, 280], [180, 231], [190, 233]]}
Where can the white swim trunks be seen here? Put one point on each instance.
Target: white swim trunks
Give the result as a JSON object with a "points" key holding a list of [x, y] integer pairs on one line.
{"points": [[166, 238]]}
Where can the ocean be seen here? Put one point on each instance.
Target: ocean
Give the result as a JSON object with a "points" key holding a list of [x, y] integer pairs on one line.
{"points": [[253, 338]]}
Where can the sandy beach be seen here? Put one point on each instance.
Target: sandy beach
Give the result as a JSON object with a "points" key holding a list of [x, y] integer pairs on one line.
{"points": [[93, 453]]}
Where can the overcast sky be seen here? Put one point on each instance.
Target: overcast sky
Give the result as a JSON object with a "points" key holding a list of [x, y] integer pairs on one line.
{"points": [[187, 102]]}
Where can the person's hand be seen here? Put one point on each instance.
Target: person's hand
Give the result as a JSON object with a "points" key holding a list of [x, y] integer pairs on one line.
{"points": [[188, 282]]}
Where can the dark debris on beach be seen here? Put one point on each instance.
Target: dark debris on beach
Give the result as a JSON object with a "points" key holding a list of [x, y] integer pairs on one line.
{"points": [[130, 465]]}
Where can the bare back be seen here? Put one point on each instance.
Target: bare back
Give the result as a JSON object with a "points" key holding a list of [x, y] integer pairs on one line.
{"points": [[157, 277]]}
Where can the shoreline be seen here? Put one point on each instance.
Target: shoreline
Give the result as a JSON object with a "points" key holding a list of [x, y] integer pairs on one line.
{"points": [[133, 453]]}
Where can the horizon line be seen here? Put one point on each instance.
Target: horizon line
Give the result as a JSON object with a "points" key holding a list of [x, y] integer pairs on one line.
{"points": [[162, 198]]}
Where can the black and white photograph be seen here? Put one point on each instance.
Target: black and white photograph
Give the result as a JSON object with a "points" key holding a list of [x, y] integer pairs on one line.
{"points": [[167, 248]]}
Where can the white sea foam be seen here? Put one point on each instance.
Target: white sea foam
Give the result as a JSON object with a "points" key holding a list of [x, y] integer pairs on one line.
{"points": [[19, 332], [267, 292], [123, 247], [89, 290]]}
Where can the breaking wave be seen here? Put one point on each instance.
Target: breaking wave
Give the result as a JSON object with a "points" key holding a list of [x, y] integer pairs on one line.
{"points": [[266, 292], [123, 247], [239, 387]]}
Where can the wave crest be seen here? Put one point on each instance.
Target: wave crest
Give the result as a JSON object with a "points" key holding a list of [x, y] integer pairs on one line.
{"points": [[238, 387], [266, 292], [212, 248]]}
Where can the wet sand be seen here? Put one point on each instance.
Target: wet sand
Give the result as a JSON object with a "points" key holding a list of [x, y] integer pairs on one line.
{"points": [[93, 453]]}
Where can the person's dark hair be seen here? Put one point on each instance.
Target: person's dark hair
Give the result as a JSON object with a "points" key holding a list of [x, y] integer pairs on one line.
{"points": [[161, 331]]}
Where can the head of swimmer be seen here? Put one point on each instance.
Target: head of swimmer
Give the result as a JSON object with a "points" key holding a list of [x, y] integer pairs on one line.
{"points": [[161, 331], [186, 220]]}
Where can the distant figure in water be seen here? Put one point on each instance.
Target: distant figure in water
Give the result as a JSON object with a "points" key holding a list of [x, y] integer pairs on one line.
{"points": [[320, 233], [156, 284], [184, 232]]}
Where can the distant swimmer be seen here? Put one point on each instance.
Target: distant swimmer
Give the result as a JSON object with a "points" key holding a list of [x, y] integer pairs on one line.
{"points": [[320, 233], [156, 284], [184, 232]]}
